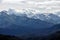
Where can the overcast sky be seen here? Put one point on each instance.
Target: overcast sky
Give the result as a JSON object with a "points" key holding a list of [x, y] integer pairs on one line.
{"points": [[41, 5]]}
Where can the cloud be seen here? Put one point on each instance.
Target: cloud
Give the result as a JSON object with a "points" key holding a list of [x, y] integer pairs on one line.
{"points": [[42, 5], [0, 1]]}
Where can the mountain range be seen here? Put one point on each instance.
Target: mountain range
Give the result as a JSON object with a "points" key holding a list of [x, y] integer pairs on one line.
{"points": [[7, 20], [27, 23], [48, 17]]}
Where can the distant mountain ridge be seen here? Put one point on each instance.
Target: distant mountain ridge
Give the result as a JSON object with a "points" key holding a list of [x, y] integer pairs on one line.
{"points": [[21, 24], [28, 31], [48, 17], [7, 20]]}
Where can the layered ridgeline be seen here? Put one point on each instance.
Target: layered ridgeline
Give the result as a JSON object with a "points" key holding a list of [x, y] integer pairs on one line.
{"points": [[33, 14], [54, 35], [27, 23], [8, 18]]}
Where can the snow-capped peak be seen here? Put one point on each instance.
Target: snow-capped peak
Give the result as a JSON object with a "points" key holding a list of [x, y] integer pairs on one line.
{"points": [[31, 13]]}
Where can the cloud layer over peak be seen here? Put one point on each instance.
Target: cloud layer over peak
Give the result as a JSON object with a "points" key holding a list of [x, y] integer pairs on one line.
{"points": [[47, 6]]}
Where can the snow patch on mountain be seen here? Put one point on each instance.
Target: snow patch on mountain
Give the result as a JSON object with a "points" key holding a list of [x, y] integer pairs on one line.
{"points": [[35, 14]]}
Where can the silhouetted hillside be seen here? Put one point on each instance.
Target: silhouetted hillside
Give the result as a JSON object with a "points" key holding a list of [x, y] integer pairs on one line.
{"points": [[54, 36], [7, 37]]}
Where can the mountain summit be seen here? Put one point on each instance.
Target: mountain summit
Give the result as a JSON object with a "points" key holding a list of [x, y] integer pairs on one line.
{"points": [[22, 20]]}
